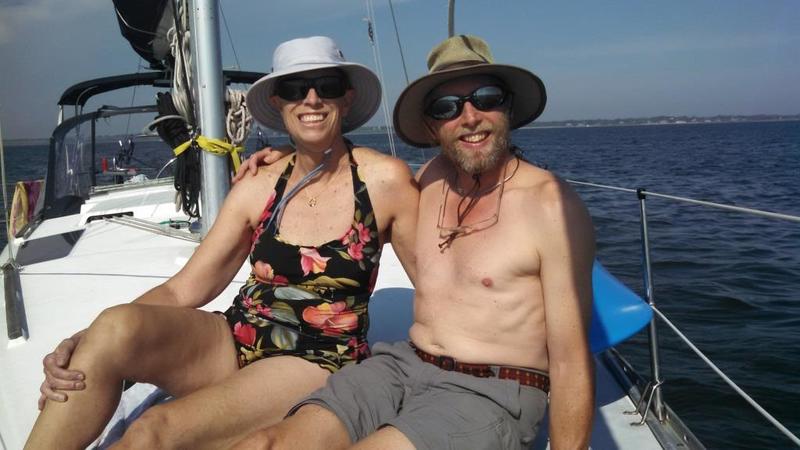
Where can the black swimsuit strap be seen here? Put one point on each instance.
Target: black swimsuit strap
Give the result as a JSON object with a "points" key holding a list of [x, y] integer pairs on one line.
{"points": [[359, 187], [280, 186]]}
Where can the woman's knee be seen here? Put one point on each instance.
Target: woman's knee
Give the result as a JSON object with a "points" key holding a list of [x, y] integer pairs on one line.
{"points": [[116, 329]]}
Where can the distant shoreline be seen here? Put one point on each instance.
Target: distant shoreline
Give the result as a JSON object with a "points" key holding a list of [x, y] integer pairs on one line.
{"points": [[593, 123]]}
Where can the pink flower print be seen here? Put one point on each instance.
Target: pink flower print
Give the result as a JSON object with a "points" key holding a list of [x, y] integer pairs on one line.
{"points": [[354, 250], [244, 333], [363, 233], [359, 349], [333, 318], [256, 235], [373, 278], [311, 261], [347, 238], [265, 311], [265, 274], [248, 302], [266, 214]]}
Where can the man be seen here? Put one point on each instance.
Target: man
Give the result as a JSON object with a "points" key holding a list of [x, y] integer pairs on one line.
{"points": [[503, 296]]}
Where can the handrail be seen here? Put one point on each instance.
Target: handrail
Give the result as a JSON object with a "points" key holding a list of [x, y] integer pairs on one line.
{"points": [[730, 382], [752, 211], [642, 195]]}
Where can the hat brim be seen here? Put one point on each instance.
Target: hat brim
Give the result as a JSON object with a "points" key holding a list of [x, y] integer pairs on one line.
{"points": [[528, 100], [363, 81]]}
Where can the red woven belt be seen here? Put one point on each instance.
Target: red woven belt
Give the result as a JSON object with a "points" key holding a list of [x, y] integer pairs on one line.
{"points": [[522, 376]]}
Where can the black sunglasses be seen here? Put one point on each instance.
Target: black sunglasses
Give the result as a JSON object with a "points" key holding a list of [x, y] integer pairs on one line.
{"points": [[328, 86], [484, 98]]}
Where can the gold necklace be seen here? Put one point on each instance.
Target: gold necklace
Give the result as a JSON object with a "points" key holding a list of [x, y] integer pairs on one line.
{"points": [[311, 200]]}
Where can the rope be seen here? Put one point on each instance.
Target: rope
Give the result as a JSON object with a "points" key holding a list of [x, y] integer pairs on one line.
{"points": [[133, 97], [187, 150], [372, 32], [181, 53], [230, 39], [238, 120], [399, 45], [212, 145]]}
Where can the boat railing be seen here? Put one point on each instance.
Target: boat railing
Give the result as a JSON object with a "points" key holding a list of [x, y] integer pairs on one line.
{"points": [[652, 395]]}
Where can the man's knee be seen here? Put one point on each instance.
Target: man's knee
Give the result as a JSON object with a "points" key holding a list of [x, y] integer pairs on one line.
{"points": [[153, 429], [293, 432], [272, 438]]}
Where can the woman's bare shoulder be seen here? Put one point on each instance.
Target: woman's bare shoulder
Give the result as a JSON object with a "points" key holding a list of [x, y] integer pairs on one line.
{"points": [[373, 163]]}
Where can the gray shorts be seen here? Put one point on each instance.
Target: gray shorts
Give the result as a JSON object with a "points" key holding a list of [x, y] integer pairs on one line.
{"points": [[433, 408]]}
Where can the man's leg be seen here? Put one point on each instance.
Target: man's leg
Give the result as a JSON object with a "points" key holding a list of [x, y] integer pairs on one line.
{"points": [[389, 438], [179, 349], [219, 415], [354, 402], [311, 427]]}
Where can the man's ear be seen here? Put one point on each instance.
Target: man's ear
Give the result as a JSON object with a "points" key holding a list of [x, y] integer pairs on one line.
{"points": [[431, 130]]}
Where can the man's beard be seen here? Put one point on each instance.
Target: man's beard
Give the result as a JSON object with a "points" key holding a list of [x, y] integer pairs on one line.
{"points": [[474, 163]]}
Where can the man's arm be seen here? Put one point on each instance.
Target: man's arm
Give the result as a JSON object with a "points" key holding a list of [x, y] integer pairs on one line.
{"points": [[263, 157], [395, 199], [567, 254]]}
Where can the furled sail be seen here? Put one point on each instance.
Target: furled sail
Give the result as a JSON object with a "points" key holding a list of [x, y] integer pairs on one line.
{"points": [[144, 23]]}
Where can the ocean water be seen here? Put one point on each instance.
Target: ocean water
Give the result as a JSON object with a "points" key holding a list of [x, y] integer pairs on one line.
{"points": [[728, 281]]}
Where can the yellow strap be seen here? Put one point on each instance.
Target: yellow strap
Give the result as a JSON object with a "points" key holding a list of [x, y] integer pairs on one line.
{"points": [[216, 146]]}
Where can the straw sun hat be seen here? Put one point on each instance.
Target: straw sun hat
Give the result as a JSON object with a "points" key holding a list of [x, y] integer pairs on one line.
{"points": [[456, 57], [312, 53]]}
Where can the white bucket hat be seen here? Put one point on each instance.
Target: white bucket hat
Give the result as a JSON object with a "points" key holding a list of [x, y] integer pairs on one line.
{"points": [[312, 53]]}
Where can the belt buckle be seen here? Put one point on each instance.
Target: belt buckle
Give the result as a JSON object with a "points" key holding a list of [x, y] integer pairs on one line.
{"points": [[446, 363]]}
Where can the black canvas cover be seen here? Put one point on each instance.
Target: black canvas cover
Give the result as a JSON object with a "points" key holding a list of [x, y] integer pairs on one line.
{"points": [[140, 22]]}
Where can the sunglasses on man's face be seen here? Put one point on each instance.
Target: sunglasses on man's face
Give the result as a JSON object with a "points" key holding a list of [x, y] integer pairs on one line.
{"points": [[328, 86], [485, 98]]}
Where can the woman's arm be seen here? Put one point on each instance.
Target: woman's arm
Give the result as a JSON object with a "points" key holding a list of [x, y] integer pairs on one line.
{"points": [[395, 198]]}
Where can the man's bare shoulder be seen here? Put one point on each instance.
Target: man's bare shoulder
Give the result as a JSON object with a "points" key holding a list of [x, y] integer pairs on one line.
{"points": [[432, 171], [551, 196]]}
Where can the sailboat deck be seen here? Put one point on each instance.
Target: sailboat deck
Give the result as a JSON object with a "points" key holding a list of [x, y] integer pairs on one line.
{"points": [[62, 295]]}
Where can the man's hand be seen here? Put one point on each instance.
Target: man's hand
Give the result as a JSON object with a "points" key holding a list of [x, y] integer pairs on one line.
{"points": [[263, 157], [56, 376]]}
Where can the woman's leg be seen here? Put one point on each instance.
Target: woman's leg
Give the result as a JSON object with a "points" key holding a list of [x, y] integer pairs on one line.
{"points": [[221, 414], [179, 349]]}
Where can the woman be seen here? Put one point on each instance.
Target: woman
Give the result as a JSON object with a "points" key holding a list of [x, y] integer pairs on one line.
{"points": [[301, 314]]}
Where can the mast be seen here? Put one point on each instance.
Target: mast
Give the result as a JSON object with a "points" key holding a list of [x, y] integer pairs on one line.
{"points": [[210, 106], [451, 11]]}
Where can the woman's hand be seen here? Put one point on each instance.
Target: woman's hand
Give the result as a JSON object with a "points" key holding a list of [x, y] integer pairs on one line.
{"points": [[263, 157], [57, 376]]}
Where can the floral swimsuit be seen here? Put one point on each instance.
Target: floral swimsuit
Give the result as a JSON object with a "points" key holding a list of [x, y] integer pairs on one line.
{"points": [[309, 302]]}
